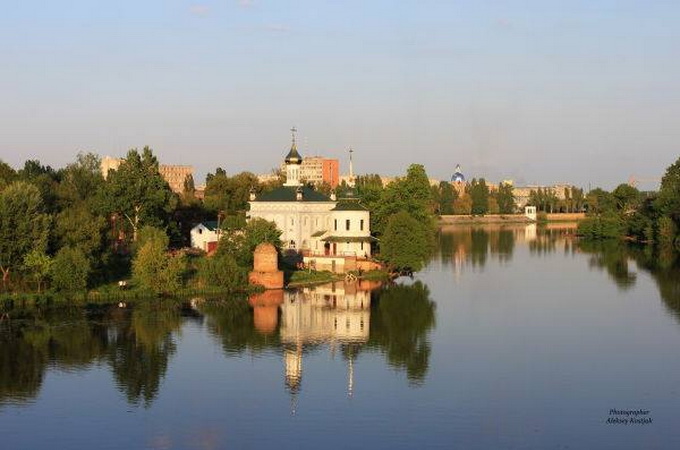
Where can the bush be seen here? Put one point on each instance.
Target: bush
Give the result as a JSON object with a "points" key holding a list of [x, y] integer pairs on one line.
{"points": [[667, 231], [222, 271], [155, 269], [605, 226], [70, 270]]}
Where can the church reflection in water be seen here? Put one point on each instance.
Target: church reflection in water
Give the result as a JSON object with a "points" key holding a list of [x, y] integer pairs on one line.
{"points": [[335, 314]]}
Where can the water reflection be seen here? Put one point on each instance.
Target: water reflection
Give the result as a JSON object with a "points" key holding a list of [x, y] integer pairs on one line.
{"points": [[343, 318], [474, 245], [621, 262], [136, 344]]}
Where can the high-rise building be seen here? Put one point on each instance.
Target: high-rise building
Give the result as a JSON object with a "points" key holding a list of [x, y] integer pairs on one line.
{"points": [[319, 170], [173, 174]]}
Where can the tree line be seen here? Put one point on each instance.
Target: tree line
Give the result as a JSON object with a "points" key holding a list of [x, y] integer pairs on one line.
{"points": [[71, 229], [646, 217]]}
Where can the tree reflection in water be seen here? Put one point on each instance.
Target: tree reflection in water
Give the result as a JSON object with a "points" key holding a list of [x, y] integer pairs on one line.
{"points": [[136, 345], [662, 264], [140, 349], [400, 326]]}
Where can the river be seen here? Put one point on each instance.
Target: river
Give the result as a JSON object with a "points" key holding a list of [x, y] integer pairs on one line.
{"points": [[512, 337]]}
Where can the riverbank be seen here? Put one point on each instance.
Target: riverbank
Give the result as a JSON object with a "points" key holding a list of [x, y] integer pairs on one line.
{"points": [[506, 218], [305, 278]]}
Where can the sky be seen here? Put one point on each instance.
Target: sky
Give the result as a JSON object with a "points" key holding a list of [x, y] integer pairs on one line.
{"points": [[585, 92]]}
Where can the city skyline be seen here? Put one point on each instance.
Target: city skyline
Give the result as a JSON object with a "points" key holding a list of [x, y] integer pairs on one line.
{"points": [[538, 92]]}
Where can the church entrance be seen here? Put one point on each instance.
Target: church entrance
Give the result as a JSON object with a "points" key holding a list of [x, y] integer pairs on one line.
{"points": [[326, 248]]}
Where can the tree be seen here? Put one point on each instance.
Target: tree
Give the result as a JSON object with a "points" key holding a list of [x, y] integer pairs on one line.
{"points": [[7, 174], [505, 199], [156, 236], [626, 197], [23, 225], [38, 264], [137, 192], [411, 194], [76, 226], [463, 204], [240, 244], [668, 200], [600, 201], [446, 195], [479, 193], [230, 194], [70, 270], [154, 268], [405, 245], [80, 181]]}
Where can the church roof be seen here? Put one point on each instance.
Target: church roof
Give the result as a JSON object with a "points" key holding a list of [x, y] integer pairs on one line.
{"points": [[289, 194], [352, 205], [293, 157], [349, 239]]}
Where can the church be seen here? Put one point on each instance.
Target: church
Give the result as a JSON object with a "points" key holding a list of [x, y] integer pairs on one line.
{"points": [[312, 223]]}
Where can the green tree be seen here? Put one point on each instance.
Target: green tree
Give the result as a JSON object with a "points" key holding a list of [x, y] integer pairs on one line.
{"points": [[230, 194], [70, 270], [38, 265], [411, 194], [77, 226], [137, 192], [240, 244], [23, 225], [600, 201], [505, 199], [463, 204], [7, 174], [446, 195], [668, 200], [626, 197], [405, 245], [157, 270], [80, 181], [479, 193], [154, 235]]}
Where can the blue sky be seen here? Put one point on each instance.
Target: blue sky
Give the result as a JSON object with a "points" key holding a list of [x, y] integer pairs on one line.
{"points": [[578, 91]]}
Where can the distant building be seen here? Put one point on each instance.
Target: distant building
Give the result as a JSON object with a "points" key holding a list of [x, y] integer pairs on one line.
{"points": [[205, 236], [176, 176], [319, 170], [522, 194], [173, 174]]}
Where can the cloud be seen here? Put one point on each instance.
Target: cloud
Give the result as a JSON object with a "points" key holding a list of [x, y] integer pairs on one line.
{"points": [[199, 10], [245, 3]]}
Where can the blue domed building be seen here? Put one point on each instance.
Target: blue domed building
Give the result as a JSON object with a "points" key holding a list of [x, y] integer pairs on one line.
{"points": [[457, 176]]}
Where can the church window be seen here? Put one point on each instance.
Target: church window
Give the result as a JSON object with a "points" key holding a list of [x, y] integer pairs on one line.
{"points": [[292, 221], [335, 224], [361, 224], [347, 224]]}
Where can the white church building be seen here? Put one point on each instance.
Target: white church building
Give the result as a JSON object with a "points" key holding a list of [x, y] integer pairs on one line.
{"points": [[311, 222]]}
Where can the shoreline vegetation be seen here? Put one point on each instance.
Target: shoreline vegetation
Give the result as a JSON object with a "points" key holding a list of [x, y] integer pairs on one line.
{"points": [[506, 218], [73, 233]]}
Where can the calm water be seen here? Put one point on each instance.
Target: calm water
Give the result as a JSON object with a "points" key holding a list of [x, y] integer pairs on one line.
{"points": [[510, 338]]}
